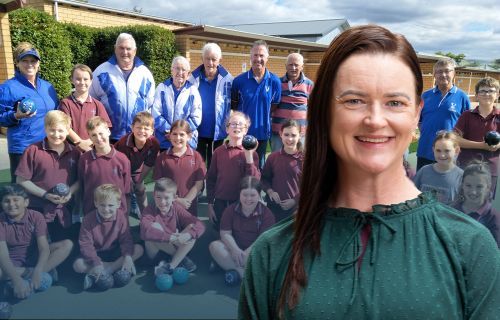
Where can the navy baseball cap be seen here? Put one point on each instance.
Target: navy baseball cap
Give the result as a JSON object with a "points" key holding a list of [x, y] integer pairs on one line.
{"points": [[31, 52]]}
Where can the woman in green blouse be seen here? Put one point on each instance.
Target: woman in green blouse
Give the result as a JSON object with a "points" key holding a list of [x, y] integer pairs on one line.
{"points": [[365, 243]]}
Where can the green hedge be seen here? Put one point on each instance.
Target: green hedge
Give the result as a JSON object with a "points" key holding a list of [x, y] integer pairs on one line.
{"points": [[62, 45], [51, 40]]}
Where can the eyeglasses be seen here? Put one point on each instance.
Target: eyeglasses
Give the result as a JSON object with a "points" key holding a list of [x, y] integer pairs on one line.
{"points": [[237, 125], [445, 71], [485, 92]]}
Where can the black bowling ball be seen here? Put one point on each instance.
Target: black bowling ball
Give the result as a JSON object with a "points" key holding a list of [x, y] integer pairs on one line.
{"points": [[249, 142], [492, 138]]}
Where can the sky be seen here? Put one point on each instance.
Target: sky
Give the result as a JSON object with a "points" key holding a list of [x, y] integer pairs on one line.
{"points": [[471, 27]]}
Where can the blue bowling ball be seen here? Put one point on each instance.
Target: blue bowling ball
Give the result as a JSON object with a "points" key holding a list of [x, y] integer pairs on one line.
{"points": [[122, 278], [105, 282], [5, 310], [164, 282], [180, 275], [27, 105], [232, 278], [45, 282]]}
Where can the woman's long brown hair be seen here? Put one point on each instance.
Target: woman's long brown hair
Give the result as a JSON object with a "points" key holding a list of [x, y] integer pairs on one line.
{"points": [[319, 175]]}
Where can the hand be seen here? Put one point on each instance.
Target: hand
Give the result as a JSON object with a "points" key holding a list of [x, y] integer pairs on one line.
{"points": [[65, 199], [22, 289], [287, 204], [97, 271], [183, 238], [54, 198], [274, 196], [185, 203], [128, 265], [211, 213], [157, 225], [85, 145], [238, 257], [36, 279], [492, 148], [20, 115]]}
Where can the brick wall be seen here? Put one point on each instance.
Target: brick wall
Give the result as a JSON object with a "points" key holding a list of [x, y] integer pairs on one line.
{"points": [[6, 57]]}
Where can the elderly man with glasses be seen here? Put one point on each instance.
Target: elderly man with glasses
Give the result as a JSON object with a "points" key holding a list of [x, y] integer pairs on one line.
{"points": [[443, 105]]}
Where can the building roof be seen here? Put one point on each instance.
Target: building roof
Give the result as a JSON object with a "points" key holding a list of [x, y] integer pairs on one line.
{"points": [[317, 28], [122, 12], [212, 33]]}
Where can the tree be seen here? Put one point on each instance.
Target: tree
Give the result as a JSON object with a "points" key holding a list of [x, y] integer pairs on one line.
{"points": [[457, 57]]}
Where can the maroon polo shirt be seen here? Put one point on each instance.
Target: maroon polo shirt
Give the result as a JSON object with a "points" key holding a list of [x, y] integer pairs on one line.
{"points": [[245, 230], [282, 172], [21, 237], [80, 113], [138, 157], [46, 168], [97, 234], [226, 170], [175, 220], [94, 170], [185, 170], [472, 126]]}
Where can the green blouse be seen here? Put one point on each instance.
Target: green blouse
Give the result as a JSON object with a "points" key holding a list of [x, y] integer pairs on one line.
{"points": [[423, 260]]}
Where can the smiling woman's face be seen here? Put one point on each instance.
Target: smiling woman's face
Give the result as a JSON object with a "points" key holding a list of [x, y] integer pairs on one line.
{"points": [[373, 113]]}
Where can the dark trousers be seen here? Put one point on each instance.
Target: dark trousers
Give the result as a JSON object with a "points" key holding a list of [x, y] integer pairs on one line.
{"points": [[261, 152], [206, 147], [14, 158], [219, 207], [423, 162]]}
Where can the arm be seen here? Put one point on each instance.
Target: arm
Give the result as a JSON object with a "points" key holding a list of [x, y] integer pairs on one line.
{"points": [[481, 145], [87, 249], [194, 118], [43, 256], [267, 179], [21, 290], [160, 109], [251, 165], [35, 190], [152, 230]]}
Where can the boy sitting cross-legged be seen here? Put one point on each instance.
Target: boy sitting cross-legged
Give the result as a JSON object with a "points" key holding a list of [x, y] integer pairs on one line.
{"points": [[166, 226]]}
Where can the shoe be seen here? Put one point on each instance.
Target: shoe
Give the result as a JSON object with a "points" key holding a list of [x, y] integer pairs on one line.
{"points": [[214, 267], [54, 274], [188, 264], [88, 281], [163, 268]]}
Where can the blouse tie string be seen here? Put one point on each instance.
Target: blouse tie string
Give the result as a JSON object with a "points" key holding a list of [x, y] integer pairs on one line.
{"points": [[343, 262]]}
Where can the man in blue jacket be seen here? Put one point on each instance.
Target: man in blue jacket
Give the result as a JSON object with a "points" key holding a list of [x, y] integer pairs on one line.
{"points": [[124, 85]]}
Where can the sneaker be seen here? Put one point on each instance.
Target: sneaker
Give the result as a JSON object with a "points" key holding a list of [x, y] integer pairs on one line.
{"points": [[88, 281], [54, 274], [163, 268], [188, 264], [214, 267]]}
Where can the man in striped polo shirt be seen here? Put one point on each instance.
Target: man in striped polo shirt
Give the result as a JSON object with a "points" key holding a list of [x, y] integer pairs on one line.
{"points": [[295, 90]]}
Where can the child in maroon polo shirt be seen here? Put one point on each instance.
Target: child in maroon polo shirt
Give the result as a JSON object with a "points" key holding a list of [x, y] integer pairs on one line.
{"points": [[24, 249], [475, 197], [45, 164], [80, 106], [141, 148], [230, 163], [473, 125], [282, 172], [106, 244], [103, 164], [166, 226], [183, 165], [241, 224]]}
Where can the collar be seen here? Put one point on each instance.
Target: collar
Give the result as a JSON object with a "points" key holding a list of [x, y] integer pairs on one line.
{"points": [[137, 62], [301, 78], [88, 100], [100, 220], [169, 213], [189, 152], [296, 155], [110, 155], [67, 146], [493, 112], [6, 218], [250, 74], [22, 79], [453, 89], [257, 212], [227, 146], [131, 142], [170, 83]]}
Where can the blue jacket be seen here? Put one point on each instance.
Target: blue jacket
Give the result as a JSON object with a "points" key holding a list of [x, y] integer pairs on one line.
{"points": [[222, 98], [166, 110], [121, 97], [21, 133]]}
